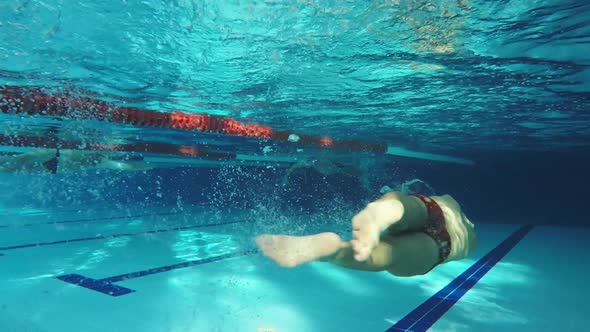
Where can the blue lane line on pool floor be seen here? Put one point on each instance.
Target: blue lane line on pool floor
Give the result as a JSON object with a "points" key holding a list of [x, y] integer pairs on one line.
{"points": [[112, 236], [426, 314], [107, 286], [90, 219]]}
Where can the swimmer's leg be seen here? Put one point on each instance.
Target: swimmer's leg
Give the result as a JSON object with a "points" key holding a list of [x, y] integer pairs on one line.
{"points": [[395, 213], [404, 255], [291, 251]]}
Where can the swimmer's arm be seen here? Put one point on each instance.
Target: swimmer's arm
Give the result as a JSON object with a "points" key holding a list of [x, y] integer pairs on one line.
{"points": [[27, 161], [413, 212], [291, 169], [23, 161]]}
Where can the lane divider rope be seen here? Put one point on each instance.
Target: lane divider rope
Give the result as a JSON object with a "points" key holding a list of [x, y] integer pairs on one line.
{"points": [[35, 101]]}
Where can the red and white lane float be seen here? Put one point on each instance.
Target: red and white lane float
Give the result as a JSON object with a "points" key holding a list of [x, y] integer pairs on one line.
{"points": [[35, 101]]}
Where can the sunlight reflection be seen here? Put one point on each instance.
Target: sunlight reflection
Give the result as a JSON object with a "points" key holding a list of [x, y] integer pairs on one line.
{"points": [[23, 211], [192, 245], [483, 303], [96, 257], [118, 242], [135, 222], [343, 279], [34, 278]]}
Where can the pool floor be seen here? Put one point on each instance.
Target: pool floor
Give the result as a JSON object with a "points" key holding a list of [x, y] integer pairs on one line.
{"points": [[193, 270]]}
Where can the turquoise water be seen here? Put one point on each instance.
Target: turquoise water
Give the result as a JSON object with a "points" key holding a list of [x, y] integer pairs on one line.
{"points": [[437, 74], [484, 100]]}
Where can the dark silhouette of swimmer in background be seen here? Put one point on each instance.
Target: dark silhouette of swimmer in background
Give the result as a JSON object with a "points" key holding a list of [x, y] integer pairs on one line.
{"points": [[68, 161], [314, 185]]}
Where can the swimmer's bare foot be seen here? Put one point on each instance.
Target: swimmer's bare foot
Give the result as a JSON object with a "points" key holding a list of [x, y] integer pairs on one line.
{"points": [[292, 251], [370, 222]]}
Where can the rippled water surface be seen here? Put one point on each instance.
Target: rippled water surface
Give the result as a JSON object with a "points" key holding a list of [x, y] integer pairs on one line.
{"points": [[458, 74]]}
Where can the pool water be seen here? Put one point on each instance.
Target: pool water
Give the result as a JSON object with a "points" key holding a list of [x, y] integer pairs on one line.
{"points": [[201, 274], [184, 129]]}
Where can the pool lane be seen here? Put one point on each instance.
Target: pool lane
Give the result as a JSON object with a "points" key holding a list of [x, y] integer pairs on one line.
{"points": [[431, 310]]}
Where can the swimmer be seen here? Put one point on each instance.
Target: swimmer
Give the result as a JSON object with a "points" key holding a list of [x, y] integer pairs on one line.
{"points": [[314, 185], [405, 235], [323, 166], [53, 161]]}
